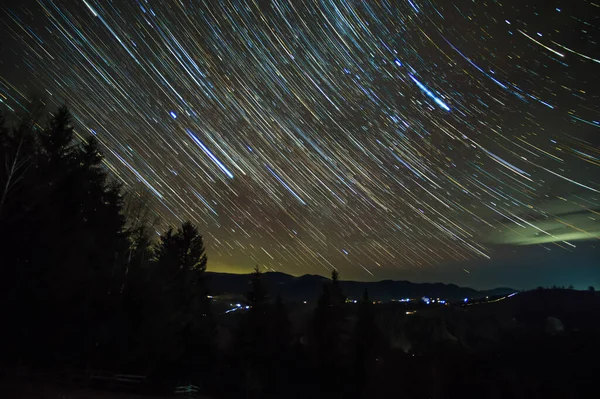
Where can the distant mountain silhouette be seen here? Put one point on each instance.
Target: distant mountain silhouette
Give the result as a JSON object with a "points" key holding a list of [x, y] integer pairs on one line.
{"points": [[308, 288]]}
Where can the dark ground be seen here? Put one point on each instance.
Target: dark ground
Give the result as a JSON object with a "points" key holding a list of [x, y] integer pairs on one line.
{"points": [[19, 389]]}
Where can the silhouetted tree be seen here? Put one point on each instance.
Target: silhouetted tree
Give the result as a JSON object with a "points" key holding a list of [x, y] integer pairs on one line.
{"points": [[63, 240], [15, 159], [257, 296], [83, 284], [253, 338], [337, 296], [141, 283], [591, 288], [263, 341], [329, 335], [141, 223], [183, 311]]}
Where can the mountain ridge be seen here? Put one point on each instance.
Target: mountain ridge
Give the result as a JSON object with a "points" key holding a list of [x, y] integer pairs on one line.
{"points": [[308, 287]]}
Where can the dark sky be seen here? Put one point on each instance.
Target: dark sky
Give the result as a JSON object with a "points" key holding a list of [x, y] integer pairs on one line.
{"points": [[424, 140]]}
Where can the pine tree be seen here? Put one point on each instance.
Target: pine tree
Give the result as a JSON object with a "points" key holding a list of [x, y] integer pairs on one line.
{"points": [[337, 296], [253, 337], [65, 243], [329, 333], [257, 296], [181, 254], [183, 312], [57, 139]]}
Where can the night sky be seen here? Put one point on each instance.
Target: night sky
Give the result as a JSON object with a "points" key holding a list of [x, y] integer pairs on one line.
{"points": [[425, 140]]}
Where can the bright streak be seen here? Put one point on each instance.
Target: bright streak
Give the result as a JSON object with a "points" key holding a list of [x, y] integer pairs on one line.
{"points": [[541, 44], [564, 177], [569, 180], [430, 94], [94, 13], [210, 154], [504, 163], [136, 173], [595, 124], [579, 54], [413, 6], [286, 186]]}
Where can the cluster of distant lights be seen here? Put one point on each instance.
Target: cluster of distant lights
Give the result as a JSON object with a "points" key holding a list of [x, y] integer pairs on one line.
{"points": [[362, 136], [237, 307], [426, 300]]}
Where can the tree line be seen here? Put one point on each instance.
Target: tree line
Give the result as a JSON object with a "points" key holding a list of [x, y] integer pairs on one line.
{"points": [[85, 284]]}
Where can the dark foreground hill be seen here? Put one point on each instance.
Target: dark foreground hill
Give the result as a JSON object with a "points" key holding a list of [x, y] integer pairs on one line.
{"points": [[308, 288]]}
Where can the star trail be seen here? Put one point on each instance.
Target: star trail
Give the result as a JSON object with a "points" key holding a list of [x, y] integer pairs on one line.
{"points": [[303, 136]]}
